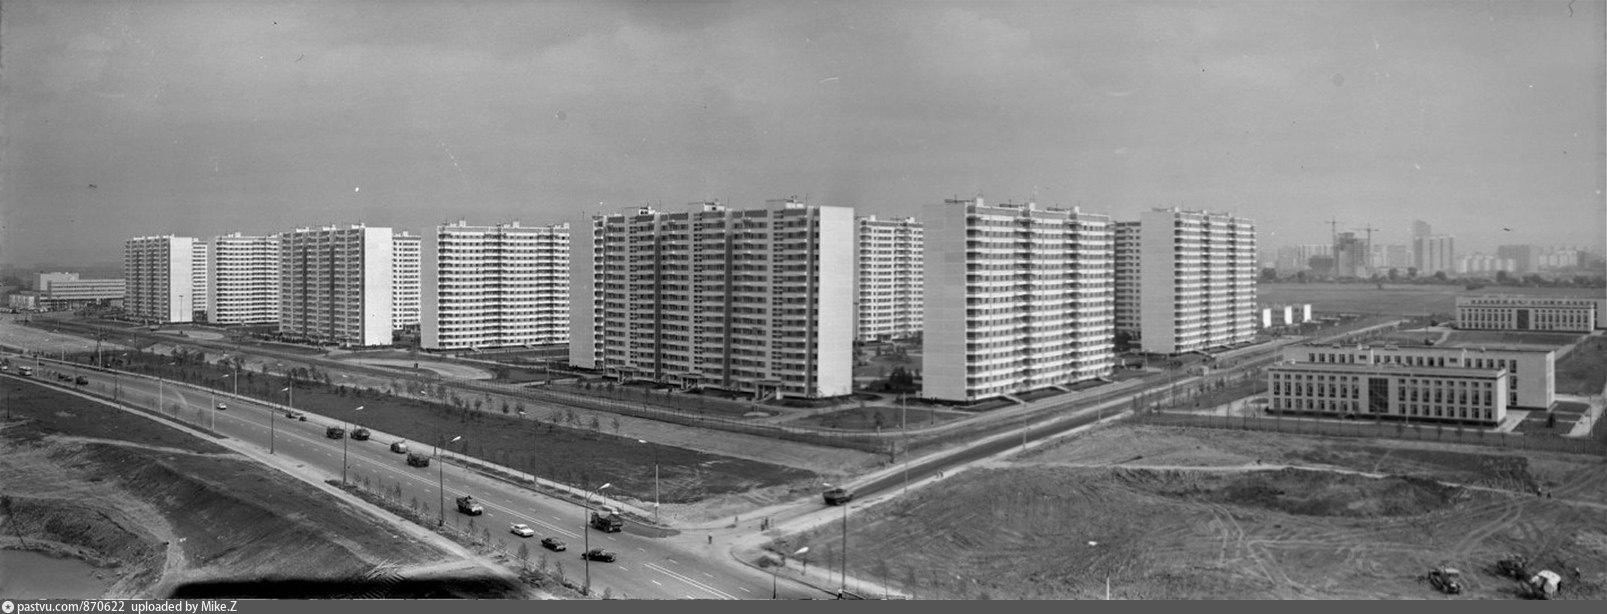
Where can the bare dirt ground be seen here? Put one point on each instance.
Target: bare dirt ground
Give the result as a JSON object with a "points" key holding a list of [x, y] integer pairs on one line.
{"points": [[1059, 522], [159, 510]]}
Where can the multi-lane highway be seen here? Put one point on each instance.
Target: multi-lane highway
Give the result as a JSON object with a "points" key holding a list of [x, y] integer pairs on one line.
{"points": [[647, 567]]}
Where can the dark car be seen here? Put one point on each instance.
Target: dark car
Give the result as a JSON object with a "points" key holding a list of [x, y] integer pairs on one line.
{"points": [[554, 544], [296, 415], [82, 381], [360, 434], [598, 554]]}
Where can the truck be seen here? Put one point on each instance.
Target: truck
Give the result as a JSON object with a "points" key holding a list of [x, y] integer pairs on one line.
{"points": [[1445, 580], [607, 520], [1543, 585], [838, 496], [418, 460], [468, 505], [335, 432]]}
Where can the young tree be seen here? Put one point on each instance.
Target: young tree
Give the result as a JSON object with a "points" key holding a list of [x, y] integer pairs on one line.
{"points": [[615, 424]]}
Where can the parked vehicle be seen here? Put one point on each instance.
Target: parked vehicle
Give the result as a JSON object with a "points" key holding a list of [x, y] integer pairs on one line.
{"points": [[1445, 580], [81, 381]]}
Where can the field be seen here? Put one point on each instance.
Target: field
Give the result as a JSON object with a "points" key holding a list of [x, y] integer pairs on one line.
{"points": [[1584, 370], [1167, 513], [161, 510], [559, 447], [1394, 299], [885, 418], [1476, 338]]}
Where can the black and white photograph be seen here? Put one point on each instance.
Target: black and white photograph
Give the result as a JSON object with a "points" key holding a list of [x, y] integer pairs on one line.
{"points": [[904, 300]]}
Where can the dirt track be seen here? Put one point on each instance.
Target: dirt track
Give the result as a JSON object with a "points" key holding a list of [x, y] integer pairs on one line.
{"points": [[1059, 522]]}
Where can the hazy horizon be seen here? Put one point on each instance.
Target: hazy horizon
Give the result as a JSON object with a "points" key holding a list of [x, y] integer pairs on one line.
{"points": [[123, 119]]}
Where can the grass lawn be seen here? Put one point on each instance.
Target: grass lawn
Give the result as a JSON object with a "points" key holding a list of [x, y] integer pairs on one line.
{"points": [[1535, 424], [1473, 338], [1584, 370], [866, 419]]}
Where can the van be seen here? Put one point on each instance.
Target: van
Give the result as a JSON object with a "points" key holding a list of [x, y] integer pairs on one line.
{"points": [[25, 371]]}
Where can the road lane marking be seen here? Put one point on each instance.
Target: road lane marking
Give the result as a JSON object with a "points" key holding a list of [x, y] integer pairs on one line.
{"points": [[655, 582], [695, 584]]}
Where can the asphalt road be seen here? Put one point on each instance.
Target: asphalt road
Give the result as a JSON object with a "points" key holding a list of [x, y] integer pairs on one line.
{"points": [[648, 567]]}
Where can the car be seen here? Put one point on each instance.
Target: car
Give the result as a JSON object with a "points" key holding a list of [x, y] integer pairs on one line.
{"points": [[296, 415], [360, 434], [399, 447], [598, 554], [554, 544], [81, 381], [522, 530], [223, 407]]}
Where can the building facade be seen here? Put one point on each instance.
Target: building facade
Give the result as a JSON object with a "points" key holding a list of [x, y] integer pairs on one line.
{"points": [[405, 280], [1531, 381], [1427, 394], [1197, 280], [887, 280], [752, 300], [495, 286], [1128, 260], [1434, 254], [335, 285], [1018, 298], [245, 279], [1539, 313], [1352, 256], [1525, 258], [63, 291], [159, 274]]}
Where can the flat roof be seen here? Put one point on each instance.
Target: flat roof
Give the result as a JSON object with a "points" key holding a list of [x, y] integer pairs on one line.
{"points": [[1389, 369], [1493, 347]]}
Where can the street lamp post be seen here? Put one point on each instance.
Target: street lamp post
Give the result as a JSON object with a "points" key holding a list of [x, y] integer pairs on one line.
{"points": [[585, 527], [440, 471], [291, 403], [343, 441], [655, 481], [845, 548], [777, 569]]}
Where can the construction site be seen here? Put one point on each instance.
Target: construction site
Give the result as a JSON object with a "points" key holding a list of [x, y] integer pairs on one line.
{"points": [[1129, 511]]}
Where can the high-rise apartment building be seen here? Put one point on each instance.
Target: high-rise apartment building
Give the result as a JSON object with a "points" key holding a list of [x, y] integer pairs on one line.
{"points": [[405, 293], [1524, 257], [1198, 280], [1421, 228], [1351, 256], [1433, 254], [495, 286], [1129, 256], [245, 279], [160, 278], [887, 282], [335, 284], [755, 300], [1018, 298]]}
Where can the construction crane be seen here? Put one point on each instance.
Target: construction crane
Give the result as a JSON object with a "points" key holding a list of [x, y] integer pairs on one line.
{"points": [[1333, 231]]}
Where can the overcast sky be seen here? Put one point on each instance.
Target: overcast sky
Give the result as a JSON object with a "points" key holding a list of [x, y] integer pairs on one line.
{"points": [[132, 118]]}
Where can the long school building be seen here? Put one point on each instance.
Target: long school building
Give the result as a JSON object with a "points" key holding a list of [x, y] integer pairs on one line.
{"points": [[1430, 394], [1532, 373], [1538, 313]]}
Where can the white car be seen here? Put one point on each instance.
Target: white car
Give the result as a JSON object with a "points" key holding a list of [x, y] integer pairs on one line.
{"points": [[522, 530], [223, 407]]}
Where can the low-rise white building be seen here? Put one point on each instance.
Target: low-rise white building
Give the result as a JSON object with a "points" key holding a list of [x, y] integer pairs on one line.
{"points": [[1369, 391], [1532, 383], [1537, 313]]}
